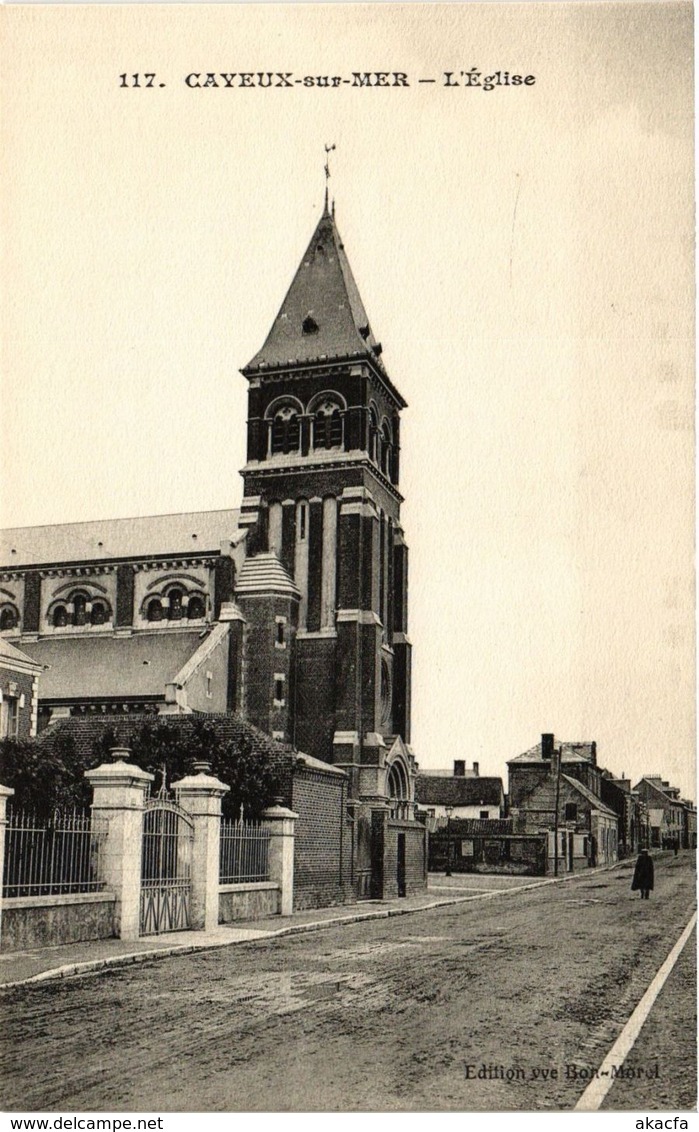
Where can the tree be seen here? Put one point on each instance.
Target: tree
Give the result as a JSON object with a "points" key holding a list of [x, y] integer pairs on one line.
{"points": [[44, 779], [49, 773]]}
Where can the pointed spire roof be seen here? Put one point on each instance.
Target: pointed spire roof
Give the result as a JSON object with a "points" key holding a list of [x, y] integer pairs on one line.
{"points": [[322, 316]]}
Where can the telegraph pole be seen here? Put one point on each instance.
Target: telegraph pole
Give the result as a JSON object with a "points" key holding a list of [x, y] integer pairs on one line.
{"points": [[555, 819]]}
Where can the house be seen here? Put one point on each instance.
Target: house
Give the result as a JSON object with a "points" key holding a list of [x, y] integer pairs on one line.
{"points": [[19, 678], [548, 792], [666, 813], [618, 795], [290, 610], [690, 825], [441, 794], [527, 770]]}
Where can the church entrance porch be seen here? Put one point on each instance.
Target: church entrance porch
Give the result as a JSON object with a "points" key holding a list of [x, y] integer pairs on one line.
{"points": [[390, 856]]}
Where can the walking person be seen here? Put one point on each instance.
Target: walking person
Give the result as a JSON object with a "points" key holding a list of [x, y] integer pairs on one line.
{"points": [[643, 874]]}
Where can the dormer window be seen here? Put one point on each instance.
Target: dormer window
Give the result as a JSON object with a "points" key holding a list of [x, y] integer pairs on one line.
{"points": [[285, 430], [9, 618], [309, 325], [98, 613], [175, 601], [60, 617], [154, 609], [79, 609], [196, 609]]}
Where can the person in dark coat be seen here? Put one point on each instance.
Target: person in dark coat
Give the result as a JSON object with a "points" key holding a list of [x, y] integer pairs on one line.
{"points": [[643, 874]]}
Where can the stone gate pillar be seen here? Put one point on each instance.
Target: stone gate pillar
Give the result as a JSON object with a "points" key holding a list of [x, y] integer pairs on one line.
{"points": [[281, 824], [5, 793], [119, 791], [200, 795]]}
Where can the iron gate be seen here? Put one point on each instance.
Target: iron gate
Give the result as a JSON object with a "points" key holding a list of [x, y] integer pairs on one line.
{"points": [[166, 882]]}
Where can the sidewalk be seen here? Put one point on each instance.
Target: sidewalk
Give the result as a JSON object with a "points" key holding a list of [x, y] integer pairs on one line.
{"points": [[63, 961]]}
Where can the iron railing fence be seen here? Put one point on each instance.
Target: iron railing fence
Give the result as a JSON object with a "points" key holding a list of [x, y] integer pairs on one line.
{"points": [[52, 856], [244, 852]]}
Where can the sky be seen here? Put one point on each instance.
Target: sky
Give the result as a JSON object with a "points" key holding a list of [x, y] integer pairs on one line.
{"points": [[525, 257]]}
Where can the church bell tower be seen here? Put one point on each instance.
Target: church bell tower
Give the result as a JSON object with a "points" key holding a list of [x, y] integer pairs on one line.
{"points": [[322, 499]]}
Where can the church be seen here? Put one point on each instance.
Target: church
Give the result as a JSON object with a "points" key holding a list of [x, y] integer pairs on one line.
{"points": [[290, 612]]}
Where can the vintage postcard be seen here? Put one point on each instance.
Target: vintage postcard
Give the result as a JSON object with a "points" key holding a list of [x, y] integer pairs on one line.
{"points": [[347, 682]]}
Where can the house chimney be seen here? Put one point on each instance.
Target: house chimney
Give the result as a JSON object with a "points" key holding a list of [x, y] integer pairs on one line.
{"points": [[459, 768], [475, 769], [547, 746], [593, 753]]}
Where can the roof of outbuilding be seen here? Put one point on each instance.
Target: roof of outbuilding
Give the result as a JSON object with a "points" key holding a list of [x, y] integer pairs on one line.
{"points": [[86, 731], [189, 532], [112, 667], [8, 652], [457, 791]]}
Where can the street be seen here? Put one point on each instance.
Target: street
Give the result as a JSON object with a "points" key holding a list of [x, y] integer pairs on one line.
{"points": [[505, 1003]]}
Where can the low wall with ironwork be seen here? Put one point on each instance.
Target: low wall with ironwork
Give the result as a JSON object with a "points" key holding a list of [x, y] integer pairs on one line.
{"points": [[467, 847], [135, 865], [45, 921], [254, 900]]}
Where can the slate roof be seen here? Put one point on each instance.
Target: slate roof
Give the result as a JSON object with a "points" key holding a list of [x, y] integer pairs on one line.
{"points": [[656, 787], [589, 797], [323, 290], [263, 574], [104, 539], [458, 791], [570, 753], [14, 655], [112, 667]]}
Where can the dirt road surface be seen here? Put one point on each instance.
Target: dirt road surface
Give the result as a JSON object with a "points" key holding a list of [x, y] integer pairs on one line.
{"points": [[504, 1004]]}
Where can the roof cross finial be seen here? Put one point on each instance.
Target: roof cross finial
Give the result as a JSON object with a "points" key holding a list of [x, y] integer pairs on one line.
{"points": [[328, 151]]}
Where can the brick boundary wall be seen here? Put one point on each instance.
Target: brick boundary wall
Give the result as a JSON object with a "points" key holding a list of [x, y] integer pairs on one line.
{"points": [[323, 850]]}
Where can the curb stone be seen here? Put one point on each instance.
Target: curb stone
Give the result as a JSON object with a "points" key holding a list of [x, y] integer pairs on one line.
{"points": [[96, 966]]}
